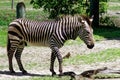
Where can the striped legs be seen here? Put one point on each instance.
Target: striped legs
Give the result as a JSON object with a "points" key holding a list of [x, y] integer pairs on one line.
{"points": [[56, 53], [59, 57], [10, 57], [14, 48], [53, 57], [18, 57]]}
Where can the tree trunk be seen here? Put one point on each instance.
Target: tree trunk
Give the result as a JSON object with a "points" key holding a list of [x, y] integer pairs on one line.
{"points": [[12, 4], [94, 11]]}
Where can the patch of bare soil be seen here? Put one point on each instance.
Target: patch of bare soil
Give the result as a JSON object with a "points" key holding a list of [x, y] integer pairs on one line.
{"points": [[39, 59]]}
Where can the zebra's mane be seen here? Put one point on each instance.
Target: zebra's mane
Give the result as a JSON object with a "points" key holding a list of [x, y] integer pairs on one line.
{"points": [[66, 17], [86, 19], [75, 17]]}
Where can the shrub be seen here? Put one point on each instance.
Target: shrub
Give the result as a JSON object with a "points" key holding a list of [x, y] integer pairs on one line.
{"points": [[103, 6], [107, 21], [57, 7]]}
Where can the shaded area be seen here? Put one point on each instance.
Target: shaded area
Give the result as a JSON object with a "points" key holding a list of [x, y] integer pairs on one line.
{"points": [[20, 74], [107, 32], [91, 74], [32, 76]]}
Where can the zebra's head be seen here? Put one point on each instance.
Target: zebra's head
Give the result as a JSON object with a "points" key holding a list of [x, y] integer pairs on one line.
{"points": [[86, 32]]}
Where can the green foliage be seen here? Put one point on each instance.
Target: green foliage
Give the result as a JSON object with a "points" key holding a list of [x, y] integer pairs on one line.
{"points": [[103, 6], [6, 16], [106, 20], [3, 37], [104, 32], [57, 7]]}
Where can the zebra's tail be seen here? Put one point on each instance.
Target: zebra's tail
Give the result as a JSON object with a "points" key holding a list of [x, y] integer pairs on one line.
{"points": [[8, 44]]}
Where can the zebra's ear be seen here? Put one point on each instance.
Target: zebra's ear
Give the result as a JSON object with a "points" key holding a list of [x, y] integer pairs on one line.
{"points": [[80, 19], [91, 18]]}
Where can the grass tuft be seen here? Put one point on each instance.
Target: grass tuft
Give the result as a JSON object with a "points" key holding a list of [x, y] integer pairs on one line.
{"points": [[3, 36]]}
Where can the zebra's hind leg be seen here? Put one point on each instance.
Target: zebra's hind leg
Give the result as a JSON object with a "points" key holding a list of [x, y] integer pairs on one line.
{"points": [[53, 57], [10, 57], [18, 57]]}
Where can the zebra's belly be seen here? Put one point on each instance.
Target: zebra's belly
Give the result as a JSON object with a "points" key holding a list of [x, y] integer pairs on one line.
{"points": [[38, 44]]}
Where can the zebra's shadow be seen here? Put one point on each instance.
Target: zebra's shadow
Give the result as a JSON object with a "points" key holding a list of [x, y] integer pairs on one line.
{"points": [[20, 74]]}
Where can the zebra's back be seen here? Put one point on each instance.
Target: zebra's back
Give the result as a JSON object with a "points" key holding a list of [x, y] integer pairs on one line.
{"points": [[33, 32]]}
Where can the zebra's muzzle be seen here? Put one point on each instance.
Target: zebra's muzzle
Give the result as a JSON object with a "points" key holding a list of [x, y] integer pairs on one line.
{"points": [[90, 46]]}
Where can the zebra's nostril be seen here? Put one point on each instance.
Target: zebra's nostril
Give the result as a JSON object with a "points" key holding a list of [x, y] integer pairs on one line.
{"points": [[90, 46]]}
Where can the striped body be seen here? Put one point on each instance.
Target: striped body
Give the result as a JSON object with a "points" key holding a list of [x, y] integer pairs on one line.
{"points": [[47, 33], [42, 33]]}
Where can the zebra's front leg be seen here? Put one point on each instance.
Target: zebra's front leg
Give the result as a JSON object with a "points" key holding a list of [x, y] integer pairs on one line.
{"points": [[53, 57], [59, 57]]}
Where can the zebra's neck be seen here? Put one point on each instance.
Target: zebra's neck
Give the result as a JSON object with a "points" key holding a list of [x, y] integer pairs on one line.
{"points": [[70, 30]]}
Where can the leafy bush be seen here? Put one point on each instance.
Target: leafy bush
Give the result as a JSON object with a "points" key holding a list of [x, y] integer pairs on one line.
{"points": [[106, 20], [56, 7], [103, 6]]}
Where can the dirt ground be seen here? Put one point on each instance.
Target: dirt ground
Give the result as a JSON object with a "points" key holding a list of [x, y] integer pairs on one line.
{"points": [[39, 57]]}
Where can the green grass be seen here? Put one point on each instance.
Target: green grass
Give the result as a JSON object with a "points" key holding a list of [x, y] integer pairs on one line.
{"points": [[103, 56], [6, 16], [106, 32], [107, 76], [10, 15], [3, 36], [7, 4], [38, 15], [114, 0], [47, 78], [114, 7]]}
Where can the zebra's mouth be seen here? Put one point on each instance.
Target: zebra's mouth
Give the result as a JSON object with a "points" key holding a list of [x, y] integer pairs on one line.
{"points": [[90, 46]]}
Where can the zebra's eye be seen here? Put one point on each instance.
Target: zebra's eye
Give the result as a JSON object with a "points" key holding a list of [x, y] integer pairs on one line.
{"points": [[88, 32]]}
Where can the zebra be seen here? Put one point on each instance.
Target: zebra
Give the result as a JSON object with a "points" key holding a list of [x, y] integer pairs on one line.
{"points": [[51, 33]]}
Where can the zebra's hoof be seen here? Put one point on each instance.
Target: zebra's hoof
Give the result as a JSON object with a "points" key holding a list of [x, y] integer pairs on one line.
{"points": [[61, 74], [12, 72], [54, 73], [24, 72]]}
